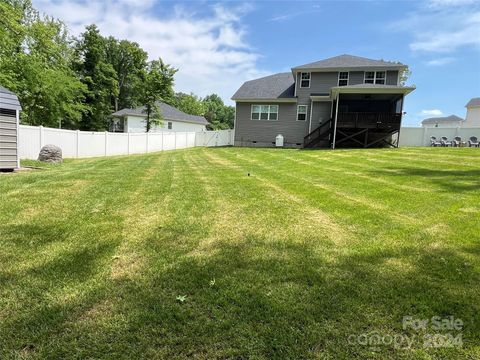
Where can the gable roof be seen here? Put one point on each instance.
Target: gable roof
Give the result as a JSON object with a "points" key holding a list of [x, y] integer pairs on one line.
{"points": [[276, 86], [8, 100], [348, 62], [451, 118], [473, 102], [168, 112]]}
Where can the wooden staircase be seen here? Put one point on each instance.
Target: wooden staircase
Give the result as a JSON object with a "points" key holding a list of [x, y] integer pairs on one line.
{"points": [[320, 137]]}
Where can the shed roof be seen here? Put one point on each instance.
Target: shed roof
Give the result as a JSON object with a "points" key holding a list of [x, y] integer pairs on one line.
{"points": [[8, 100], [168, 112]]}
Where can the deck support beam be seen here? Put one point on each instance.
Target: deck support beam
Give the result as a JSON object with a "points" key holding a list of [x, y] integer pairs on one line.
{"points": [[335, 122]]}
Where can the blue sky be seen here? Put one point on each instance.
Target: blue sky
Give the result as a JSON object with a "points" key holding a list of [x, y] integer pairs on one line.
{"points": [[219, 45]]}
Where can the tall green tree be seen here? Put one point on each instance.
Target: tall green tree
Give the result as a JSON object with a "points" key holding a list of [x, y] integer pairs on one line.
{"points": [[129, 61], [98, 75], [35, 62], [189, 103], [219, 115], [157, 87]]}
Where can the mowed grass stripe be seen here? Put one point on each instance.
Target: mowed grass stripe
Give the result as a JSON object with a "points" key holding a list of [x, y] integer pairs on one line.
{"points": [[323, 195], [285, 263]]}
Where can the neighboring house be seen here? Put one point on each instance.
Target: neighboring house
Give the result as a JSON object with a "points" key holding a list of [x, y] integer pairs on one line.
{"points": [[341, 101], [134, 120], [444, 121], [473, 113]]}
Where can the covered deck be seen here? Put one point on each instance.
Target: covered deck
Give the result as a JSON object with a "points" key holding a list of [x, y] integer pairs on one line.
{"points": [[367, 115]]}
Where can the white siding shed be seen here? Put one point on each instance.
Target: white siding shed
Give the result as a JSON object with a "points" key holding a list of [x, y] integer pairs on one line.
{"points": [[9, 121]]}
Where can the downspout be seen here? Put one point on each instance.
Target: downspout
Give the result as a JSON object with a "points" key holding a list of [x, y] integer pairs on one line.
{"points": [[335, 125]]}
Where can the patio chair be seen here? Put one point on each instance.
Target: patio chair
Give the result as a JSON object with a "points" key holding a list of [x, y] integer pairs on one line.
{"points": [[445, 142], [434, 142], [473, 142], [457, 141]]}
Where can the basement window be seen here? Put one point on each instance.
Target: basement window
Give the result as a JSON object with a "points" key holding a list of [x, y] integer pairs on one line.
{"points": [[343, 78], [305, 80], [264, 112], [302, 112]]}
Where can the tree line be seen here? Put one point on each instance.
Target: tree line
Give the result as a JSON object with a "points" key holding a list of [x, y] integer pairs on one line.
{"points": [[78, 82]]}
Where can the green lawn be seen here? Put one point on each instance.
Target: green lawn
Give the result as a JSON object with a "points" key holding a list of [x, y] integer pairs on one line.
{"points": [[295, 261]]}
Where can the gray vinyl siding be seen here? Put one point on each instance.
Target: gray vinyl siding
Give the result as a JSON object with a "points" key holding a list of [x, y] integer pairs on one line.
{"points": [[320, 82], [321, 112], [264, 131], [8, 142], [356, 77], [392, 77]]}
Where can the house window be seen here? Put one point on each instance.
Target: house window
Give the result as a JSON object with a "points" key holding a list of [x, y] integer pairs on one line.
{"points": [[302, 112], [264, 112], [374, 77], [343, 78], [380, 77], [170, 125], [305, 80]]}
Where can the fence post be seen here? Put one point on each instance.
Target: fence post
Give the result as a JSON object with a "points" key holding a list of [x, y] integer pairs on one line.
{"points": [[162, 140], [424, 136], [175, 135], [40, 133], [146, 143], [78, 143], [128, 143], [106, 143]]}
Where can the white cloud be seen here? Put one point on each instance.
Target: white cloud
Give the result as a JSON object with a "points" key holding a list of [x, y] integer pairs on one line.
{"points": [[440, 61], [444, 3], [210, 51], [443, 26], [433, 112]]}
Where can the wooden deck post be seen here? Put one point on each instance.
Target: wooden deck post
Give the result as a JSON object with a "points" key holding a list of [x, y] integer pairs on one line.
{"points": [[335, 122]]}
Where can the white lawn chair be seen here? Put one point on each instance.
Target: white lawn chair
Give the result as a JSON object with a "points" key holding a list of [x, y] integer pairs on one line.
{"points": [[473, 142], [457, 141], [434, 142], [445, 142]]}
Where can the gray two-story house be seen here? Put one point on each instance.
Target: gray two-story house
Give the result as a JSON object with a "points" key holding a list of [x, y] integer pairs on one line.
{"points": [[343, 101]]}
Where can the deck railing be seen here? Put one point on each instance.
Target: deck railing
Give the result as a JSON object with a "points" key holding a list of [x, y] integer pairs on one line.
{"points": [[368, 120]]}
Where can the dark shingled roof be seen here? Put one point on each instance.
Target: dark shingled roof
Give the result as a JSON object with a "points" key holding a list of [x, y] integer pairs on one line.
{"points": [[277, 86], [168, 112], [8, 100], [348, 61], [473, 102], [450, 118]]}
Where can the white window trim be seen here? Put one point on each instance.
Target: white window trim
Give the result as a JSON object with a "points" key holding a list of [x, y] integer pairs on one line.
{"points": [[375, 77], [309, 80], [260, 119], [306, 112], [348, 78]]}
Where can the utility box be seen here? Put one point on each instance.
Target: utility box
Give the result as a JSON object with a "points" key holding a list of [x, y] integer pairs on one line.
{"points": [[279, 140], [9, 122]]}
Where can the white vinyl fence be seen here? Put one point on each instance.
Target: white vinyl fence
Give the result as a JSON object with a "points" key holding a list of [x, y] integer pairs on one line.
{"points": [[420, 136], [78, 144]]}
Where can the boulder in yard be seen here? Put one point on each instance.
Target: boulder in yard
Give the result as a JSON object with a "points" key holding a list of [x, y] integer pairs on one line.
{"points": [[51, 154]]}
